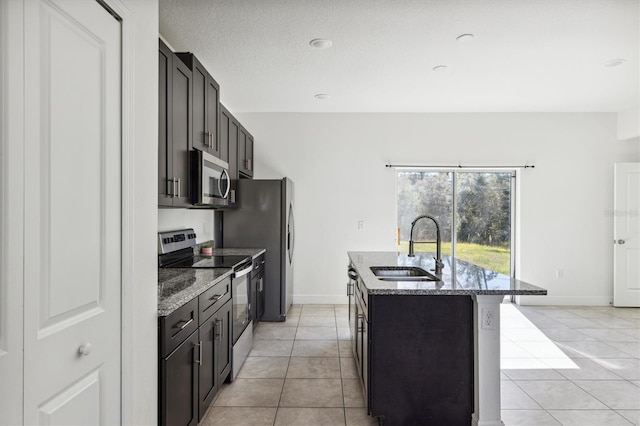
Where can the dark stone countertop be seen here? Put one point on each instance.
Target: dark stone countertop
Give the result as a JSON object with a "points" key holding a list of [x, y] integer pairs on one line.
{"points": [[458, 277], [177, 286], [253, 252]]}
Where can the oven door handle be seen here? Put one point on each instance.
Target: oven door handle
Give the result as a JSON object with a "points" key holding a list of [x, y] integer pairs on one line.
{"points": [[243, 272]]}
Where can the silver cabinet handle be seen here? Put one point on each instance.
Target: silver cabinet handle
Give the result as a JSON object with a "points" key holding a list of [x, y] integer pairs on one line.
{"points": [[183, 326], [218, 329], [216, 297], [174, 187], [199, 360], [85, 349], [178, 187], [210, 138]]}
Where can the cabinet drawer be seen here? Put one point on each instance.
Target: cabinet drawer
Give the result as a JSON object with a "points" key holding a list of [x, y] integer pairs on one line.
{"points": [[211, 300], [177, 326]]}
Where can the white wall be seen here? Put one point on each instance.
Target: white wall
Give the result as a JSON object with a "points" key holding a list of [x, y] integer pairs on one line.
{"points": [[200, 220], [337, 163], [629, 124]]}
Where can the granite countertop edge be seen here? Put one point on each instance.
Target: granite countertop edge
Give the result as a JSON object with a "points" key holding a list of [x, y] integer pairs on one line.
{"points": [[362, 261]]}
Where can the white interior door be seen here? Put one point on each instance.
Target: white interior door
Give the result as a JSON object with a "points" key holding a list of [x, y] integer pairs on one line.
{"points": [[626, 287], [11, 213], [72, 238]]}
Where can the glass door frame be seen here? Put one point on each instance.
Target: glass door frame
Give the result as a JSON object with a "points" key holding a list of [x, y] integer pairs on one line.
{"points": [[454, 201]]}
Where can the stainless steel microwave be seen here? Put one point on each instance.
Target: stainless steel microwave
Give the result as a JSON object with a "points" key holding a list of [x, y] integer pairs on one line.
{"points": [[210, 180]]}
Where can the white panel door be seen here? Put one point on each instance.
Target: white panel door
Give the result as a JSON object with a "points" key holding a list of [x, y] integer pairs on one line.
{"points": [[626, 287], [72, 249], [11, 212]]}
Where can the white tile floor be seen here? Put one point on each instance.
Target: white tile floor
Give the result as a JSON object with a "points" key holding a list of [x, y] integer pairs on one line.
{"points": [[560, 366]]}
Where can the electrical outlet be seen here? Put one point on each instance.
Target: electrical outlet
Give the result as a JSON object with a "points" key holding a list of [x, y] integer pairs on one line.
{"points": [[360, 225], [488, 319]]}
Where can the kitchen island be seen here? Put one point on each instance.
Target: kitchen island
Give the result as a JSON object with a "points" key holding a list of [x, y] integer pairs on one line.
{"points": [[429, 360]]}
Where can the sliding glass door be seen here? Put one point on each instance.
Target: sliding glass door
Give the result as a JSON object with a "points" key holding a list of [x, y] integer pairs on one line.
{"points": [[474, 210]]}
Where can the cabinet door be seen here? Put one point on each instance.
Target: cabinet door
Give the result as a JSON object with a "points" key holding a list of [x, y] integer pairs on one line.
{"points": [[223, 340], [260, 296], [178, 405], [165, 128], [242, 150], [213, 114], [181, 135], [223, 127], [234, 150], [208, 377], [253, 293], [249, 155], [245, 153], [201, 138]]}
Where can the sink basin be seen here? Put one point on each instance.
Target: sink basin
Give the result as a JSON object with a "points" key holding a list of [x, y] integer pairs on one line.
{"points": [[402, 273]]}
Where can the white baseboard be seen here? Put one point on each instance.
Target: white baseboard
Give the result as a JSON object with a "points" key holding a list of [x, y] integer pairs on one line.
{"points": [[320, 299], [563, 301]]}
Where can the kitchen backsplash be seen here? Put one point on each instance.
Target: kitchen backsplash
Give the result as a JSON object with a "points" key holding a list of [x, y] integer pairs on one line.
{"points": [[202, 221]]}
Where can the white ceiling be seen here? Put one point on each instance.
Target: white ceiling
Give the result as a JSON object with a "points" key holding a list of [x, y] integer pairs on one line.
{"points": [[527, 55]]}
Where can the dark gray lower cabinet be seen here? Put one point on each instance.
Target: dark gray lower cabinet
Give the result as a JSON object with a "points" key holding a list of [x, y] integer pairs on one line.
{"points": [[192, 373], [414, 356], [216, 356], [257, 290], [178, 397]]}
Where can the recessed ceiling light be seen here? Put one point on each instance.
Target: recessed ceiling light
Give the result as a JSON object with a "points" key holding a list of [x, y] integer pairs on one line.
{"points": [[321, 43], [614, 62], [322, 96], [465, 38], [440, 68]]}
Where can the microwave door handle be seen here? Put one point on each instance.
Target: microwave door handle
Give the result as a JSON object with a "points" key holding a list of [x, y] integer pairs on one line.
{"points": [[226, 193]]}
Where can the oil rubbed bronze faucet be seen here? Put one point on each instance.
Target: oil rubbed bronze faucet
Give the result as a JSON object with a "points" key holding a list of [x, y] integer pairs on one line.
{"points": [[438, 258]]}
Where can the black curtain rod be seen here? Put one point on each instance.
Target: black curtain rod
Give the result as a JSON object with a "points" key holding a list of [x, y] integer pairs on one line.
{"points": [[459, 166]]}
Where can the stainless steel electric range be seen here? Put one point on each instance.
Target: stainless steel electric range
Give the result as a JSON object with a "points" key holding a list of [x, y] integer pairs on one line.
{"points": [[177, 249]]}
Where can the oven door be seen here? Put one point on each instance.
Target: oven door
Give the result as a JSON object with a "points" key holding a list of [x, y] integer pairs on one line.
{"points": [[212, 183], [240, 297]]}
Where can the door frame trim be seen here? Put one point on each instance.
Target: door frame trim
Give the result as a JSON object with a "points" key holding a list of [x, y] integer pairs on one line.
{"points": [[123, 14]]}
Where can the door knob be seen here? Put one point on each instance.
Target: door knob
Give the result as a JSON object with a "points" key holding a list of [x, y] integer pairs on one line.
{"points": [[85, 349], [621, 241]]}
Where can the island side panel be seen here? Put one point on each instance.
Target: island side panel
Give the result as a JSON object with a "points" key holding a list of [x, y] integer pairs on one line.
{"points": [[421, 359]]}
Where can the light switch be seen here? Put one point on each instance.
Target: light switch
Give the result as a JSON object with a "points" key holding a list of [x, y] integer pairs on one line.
{"points": [[360, 225]]}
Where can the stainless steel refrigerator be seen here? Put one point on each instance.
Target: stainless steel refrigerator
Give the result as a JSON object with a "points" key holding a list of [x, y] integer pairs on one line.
{"points": [[264, 219]]}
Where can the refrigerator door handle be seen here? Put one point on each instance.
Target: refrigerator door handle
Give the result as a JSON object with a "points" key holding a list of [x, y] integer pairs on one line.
{"points": [[290, 233]]}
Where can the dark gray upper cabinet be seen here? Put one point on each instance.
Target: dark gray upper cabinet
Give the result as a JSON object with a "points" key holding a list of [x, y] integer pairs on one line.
{"points": [[245, 153], [229, 137], [175, 129], [206, 109]]}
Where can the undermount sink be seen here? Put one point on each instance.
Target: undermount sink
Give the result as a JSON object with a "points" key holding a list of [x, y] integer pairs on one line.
{"points": [[402, 273]]}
